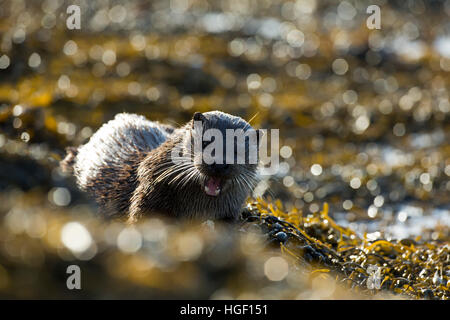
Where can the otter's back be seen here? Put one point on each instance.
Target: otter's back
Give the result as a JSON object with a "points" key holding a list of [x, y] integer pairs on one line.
{"points": [[116, 143]]}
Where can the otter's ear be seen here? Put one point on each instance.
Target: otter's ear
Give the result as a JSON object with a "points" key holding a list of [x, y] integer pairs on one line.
{"points": [[198, 116]]}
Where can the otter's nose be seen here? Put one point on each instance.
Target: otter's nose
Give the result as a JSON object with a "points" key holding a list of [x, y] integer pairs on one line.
{"points": [[220, 168]]}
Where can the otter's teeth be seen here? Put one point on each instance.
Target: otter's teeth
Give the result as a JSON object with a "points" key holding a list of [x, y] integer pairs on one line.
{"points": [[214, 192], [212, 187]]}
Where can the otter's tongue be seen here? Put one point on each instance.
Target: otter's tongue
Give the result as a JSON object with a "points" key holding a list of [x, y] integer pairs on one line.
{"points": [[212, 186]]}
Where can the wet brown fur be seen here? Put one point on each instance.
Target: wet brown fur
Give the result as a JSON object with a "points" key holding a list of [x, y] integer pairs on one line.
{"points": [[134, 189]]}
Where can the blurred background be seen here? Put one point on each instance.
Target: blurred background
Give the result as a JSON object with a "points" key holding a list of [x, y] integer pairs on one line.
{"points": [[363, 117]]}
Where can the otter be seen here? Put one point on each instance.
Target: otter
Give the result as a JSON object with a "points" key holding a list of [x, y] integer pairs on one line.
{"points": [[134, 167]]}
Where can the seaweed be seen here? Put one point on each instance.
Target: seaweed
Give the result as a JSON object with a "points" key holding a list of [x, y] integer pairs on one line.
{"points": [[404, 266]]}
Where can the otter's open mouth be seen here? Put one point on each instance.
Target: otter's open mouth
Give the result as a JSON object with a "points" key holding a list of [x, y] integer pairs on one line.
{"points": [[213, 186]]}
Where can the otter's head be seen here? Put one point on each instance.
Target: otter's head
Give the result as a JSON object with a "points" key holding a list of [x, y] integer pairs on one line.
{"points": [[224, 150]]}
